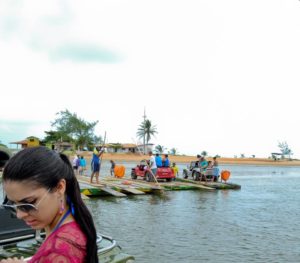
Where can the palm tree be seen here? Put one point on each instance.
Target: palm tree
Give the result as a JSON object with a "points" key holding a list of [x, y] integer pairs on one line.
{"points": [[173, 151], [159, 148], [146, 130], [204, 153]]}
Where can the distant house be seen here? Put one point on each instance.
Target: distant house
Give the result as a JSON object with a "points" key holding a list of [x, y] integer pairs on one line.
{"points": [[63, 146], [28, 142], [277, 156], [127, 148], [148, 148]]}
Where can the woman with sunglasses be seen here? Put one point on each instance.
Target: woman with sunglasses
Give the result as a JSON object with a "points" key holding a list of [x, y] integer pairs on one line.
{"points": [[43, 191]]}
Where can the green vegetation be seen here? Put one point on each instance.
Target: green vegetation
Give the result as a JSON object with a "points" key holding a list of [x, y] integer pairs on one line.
{"points": [[173, 151], [285, 149], [159, 149], [204, 153], [71, 128], [145, 131]]}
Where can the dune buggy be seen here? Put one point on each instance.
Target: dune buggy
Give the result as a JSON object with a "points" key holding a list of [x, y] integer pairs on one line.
{"points": [[142, 170], [198, 174]]}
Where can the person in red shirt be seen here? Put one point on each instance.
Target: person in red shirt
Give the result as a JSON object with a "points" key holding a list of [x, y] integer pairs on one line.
{"points": [[42, 190]]}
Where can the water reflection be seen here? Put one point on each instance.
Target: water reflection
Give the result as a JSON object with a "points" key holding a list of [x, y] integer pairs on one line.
{"points": [[159, 197], [255, 224]]}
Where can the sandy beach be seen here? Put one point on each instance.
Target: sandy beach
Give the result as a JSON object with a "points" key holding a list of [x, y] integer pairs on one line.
{"points": [[129, 157]]}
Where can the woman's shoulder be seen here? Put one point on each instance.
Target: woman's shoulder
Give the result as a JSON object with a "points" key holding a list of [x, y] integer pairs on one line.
{"points": [[66, 244], [71, 232]]}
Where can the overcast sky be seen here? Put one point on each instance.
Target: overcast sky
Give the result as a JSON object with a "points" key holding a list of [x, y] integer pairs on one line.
{"points": [[213, 75]]}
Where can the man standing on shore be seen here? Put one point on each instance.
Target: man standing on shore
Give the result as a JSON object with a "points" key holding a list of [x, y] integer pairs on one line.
{"points": [[95, 165]]}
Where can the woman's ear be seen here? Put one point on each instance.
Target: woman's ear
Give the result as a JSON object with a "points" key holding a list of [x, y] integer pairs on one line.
{"points": [[61, 187]]}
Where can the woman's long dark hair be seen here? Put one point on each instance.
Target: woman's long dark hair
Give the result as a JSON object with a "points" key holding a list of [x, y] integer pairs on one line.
{"points": [[46, 168]]}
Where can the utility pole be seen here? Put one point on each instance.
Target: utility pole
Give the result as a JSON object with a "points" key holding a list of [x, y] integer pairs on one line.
{"points": [[144, 142]]}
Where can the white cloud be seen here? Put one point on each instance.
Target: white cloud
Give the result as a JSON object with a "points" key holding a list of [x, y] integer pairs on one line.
{"points": [[213, 75]]}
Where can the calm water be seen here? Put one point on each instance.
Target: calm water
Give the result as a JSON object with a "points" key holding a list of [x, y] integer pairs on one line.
{"points": [[258, 223]]}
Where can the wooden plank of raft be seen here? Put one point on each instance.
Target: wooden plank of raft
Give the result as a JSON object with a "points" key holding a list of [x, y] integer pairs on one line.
{"points": [[127, 188], [136, 183], [109, 190], [103, 187], [131, 188], [84, 197], [151, 186], [203, 187]]}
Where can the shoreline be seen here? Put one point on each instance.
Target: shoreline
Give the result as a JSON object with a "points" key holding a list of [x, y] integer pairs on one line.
{"points": [[131, 157]]}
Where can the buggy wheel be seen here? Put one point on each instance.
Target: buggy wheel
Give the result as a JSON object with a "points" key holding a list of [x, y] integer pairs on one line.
{"points": [[185, 174], [133, 175], [196, 176]]}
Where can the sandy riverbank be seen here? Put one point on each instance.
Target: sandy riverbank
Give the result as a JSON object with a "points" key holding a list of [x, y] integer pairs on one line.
{"points": [[187, 159]]}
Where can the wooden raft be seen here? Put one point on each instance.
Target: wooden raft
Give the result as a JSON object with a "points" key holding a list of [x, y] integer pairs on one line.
{"points": [[102, 187], [121, 187]]}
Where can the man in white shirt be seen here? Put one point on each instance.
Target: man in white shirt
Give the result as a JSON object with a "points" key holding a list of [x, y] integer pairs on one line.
{"points": [[152, 163]]}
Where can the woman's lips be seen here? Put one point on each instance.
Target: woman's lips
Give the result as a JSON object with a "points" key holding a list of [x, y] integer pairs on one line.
{"points": [[31, 223]]}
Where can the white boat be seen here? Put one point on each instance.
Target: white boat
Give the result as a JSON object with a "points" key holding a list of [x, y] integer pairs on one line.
{"points": [[17, 239]]}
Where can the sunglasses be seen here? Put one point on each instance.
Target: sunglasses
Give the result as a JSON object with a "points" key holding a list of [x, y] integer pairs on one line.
{"points": [[25, 207]]}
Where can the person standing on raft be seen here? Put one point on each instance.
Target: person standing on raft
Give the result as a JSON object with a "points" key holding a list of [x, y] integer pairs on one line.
{"points": [[96, 162]]}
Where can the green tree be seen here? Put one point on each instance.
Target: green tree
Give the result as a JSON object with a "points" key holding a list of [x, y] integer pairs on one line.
{"points": [[54, 136], [285, 149], [204, 153], [159, 148], [146, 130], [173, 151], [80, 131], [2, 145], [274, 157]]}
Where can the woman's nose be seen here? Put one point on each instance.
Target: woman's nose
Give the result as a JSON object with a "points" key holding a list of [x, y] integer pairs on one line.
{"points": [[21, 214]]}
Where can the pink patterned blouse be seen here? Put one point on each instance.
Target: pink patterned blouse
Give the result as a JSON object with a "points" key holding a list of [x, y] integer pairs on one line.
{"points": [[65, 245]]}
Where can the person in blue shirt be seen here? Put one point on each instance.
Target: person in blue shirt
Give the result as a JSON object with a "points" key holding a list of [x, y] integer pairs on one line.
{"points": [[166, 161], [158, 160], [95, 165], [82, 165], [203, 165]]}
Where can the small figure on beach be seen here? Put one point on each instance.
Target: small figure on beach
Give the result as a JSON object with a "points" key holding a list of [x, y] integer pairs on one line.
{"points": [[158, 160], [95, 164], [112, 168], [42, 190]]}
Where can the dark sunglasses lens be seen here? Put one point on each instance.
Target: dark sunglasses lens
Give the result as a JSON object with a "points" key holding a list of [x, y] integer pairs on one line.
{"points": [[26, 208]]}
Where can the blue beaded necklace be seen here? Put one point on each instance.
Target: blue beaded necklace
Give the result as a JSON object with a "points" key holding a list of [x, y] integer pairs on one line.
{"points": [[62, 220]]}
